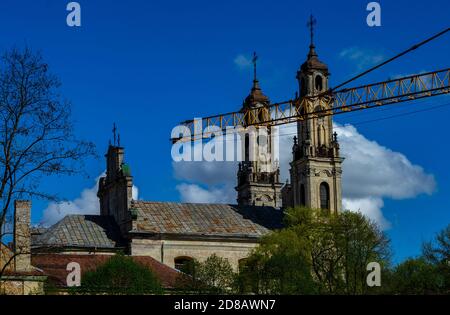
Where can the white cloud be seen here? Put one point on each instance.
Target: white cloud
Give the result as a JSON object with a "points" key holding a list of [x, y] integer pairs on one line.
{"points": [[243, 61], [86, 204], [209, 173], [371, 172], [362, 57], [135, 193], [370, 207], [196, 194], [374, 170]]}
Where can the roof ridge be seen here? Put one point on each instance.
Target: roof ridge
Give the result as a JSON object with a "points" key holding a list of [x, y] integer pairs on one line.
{"points": [[185, 203]]}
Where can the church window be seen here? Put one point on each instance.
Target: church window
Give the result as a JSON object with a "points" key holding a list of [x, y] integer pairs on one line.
{"points": [[247, 147], [324, 196], [319, 83], [184, 264]]}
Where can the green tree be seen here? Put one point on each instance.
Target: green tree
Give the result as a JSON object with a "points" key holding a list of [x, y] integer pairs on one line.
{"points": [[416, 276], [426, 274], [358, 242], [437, 252], [316, 253], [213, 276], [217, 274], [119, 275], [280, 265]]}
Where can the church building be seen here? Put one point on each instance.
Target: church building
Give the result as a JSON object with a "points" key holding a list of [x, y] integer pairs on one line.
{"points": [[171, 234]]}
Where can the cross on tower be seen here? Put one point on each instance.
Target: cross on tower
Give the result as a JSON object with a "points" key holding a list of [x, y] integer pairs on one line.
{"points": [[254, 60], [114, 130], [311, 23]]}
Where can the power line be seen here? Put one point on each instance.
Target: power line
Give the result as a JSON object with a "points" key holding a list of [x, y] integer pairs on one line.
{"points": [[400, 106], [403, 114], [388, 117], [414, 47]]}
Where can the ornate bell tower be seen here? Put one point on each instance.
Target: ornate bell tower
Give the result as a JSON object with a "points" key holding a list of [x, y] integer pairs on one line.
{"points": [[258, 177], [316, 166]]}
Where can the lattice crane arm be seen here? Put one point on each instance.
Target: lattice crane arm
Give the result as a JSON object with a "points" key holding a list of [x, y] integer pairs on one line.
{"points": [[343, 101]]}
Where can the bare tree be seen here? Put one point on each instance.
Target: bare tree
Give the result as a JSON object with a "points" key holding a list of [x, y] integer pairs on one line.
{"points": [[36, 132]]}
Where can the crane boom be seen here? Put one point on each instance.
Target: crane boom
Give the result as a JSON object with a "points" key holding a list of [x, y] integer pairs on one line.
{"points": [[394, 91]]}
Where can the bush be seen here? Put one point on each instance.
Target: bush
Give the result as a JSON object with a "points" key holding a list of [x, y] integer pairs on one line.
{"points": [[119, 275]]}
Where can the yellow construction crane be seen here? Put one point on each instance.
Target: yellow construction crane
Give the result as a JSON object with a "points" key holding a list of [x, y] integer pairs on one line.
{"points": [[345, 100]]}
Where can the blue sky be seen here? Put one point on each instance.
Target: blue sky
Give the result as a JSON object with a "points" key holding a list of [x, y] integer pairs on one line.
{"points": [[147, 65]]}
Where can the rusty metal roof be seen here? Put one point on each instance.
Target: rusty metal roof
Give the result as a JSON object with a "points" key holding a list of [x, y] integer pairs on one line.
{"points": [[206, 219], [82, 231]]}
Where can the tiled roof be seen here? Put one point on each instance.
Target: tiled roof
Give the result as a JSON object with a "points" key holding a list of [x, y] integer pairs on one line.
{"points": [[81, 231], [206, 219], [54, 266], [38, 230]]}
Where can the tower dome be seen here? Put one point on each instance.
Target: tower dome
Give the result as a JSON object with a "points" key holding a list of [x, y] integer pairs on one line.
{"points": [[313, 62]]}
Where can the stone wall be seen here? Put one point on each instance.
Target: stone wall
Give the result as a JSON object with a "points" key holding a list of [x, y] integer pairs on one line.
{"points": [[166, 251], [22, 285]]}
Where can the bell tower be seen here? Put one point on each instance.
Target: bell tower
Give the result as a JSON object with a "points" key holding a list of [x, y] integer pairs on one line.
{"points": [[258, 177], [115, 190], [316, 167]]}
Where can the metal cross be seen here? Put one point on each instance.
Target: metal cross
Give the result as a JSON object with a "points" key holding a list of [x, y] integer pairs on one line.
{"points": [[311, 23], [114, 133], [254, 60]]}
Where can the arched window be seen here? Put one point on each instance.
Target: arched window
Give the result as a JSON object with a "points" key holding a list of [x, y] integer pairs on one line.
{"points": [[319, 83], [247, 147], [302, 195], [184, 264], [324, 196]]}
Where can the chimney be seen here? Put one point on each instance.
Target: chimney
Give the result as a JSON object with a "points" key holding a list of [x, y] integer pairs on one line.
{"points": [[22, 235]]}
